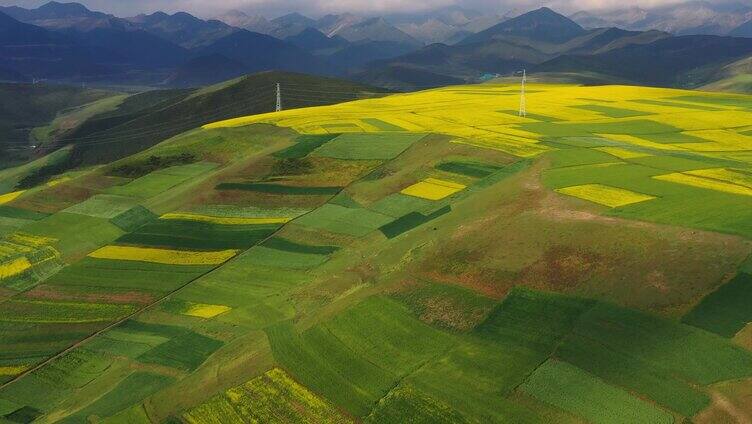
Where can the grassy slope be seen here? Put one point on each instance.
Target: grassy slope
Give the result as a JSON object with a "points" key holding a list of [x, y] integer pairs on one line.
{"points": [[147, 119], [25, 106], [735, 78], [417, 348]]}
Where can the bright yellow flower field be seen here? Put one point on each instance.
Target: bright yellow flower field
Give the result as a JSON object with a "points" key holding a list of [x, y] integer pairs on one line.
{"points": [[612, 197], [203, 310], [433, 189], [163, 256], [187, 216], [14, 267]]}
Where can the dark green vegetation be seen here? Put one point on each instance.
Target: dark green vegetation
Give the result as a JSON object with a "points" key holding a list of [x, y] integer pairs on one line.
{"points": [[280, 189], [304, 145], [725, 311], [476, 170], [408, 222], [152, 163], [26, 106], [191, 235]]}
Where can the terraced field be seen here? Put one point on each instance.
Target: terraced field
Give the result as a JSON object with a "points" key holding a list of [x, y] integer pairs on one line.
{"points": [[424, 257]]}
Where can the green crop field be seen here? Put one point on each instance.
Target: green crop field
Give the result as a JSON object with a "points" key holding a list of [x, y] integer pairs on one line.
{"points": [[426, 257], [573, 390]]}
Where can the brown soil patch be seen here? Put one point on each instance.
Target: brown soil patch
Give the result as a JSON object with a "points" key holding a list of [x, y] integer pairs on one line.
{"points": [[44, 292], [561, 267], [722, 410], [55, 199]]}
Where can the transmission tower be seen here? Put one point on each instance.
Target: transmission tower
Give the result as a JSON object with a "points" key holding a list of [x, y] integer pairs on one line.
{"points": [[523, 103], [279, 99]]}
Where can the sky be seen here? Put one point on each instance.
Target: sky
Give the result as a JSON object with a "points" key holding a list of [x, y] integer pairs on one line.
{"points": [[314, 8]]}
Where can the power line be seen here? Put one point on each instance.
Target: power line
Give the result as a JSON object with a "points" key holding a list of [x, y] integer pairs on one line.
{"points": [[523, 103], [278, 108]]}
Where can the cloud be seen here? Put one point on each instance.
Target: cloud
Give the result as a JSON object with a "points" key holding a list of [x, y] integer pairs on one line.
{"points": [[273, 8]]}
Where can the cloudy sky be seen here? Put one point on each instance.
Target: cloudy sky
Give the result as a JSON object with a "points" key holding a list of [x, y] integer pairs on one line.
{"points": [[272, 8]]}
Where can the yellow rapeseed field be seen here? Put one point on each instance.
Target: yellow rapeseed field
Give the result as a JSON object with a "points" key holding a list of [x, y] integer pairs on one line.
{"points": [[622, 153], [12, 370], [9, 197], [485, 116], [203, 310], [14, 267], [731, 176], [433, 189], [720, 141], [31, 240], [612, 197], [706, 183], [188, 216], [163, 256]]}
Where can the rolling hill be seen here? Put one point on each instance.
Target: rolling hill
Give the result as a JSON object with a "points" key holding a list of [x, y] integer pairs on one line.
{"points": [[418, 257], [26, 106], [735, 77], [143, 120]]}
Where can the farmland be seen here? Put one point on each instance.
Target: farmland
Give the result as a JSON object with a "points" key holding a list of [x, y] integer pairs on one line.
{"points": [[421, 257]]}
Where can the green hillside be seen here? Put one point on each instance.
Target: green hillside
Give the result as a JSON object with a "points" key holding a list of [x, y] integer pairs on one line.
{"points": [[146, 119], [118, 126], [26, 106], [734, 78], [428, 257]]}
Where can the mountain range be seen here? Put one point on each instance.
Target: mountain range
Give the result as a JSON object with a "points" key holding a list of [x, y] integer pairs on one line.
{"points": [[68, 42], [689, 18], [446, 25], [544, 41]]}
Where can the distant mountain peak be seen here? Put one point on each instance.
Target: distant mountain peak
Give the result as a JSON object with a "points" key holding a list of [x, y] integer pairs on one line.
{"points": [[65, 9], [293, 17], [542, 24]]}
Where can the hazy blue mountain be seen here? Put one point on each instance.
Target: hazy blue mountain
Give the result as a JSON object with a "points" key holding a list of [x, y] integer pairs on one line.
{"points": [[743, 30], [55, 15], [261, 52], [542, 25], [688, 18], [206, 70], [673, 61], [39, 53], [182, 28], [356, 55], [291, 24], [313, 40], [240, 19]]}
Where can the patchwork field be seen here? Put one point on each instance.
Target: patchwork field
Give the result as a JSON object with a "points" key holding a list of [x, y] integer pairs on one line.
{"points": [[429, 257]]}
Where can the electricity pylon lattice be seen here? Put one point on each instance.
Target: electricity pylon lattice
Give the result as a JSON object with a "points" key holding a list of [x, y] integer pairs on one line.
{"points": [[279, 99], [523, 103]]}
